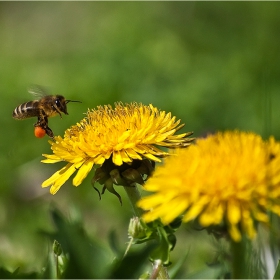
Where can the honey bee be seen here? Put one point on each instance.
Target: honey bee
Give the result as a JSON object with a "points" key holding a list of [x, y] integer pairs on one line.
{"points": [[45, 107]]}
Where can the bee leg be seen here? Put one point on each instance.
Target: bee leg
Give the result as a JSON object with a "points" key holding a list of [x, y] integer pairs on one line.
{"points": [[43, 123], [49, 132], [59, 113], [57, 110], [42, 116], [38, 123]]}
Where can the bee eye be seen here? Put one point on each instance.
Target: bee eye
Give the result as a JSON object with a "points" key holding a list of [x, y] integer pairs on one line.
{"points": [[58, 103]]}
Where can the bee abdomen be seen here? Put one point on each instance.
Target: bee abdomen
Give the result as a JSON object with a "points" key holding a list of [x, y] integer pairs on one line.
{"points": [[26, 110]]}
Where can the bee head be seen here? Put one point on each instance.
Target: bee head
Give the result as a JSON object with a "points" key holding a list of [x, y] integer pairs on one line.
{"points": [[61, 104]]}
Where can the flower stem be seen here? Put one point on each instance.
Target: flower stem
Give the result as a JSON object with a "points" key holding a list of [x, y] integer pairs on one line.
{"points": [[159, 271], [134, 195], [238, 252], [57, 269]]}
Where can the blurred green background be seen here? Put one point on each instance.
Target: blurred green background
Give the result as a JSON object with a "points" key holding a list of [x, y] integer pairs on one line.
{"points": [[214, 65]]}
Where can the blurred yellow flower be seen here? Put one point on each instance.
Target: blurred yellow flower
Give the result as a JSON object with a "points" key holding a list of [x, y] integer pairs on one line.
{"points": [[228, 179], [120, 135]]}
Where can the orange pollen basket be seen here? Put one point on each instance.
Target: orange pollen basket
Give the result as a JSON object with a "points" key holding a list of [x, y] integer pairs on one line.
{"points": [[39, 132]]}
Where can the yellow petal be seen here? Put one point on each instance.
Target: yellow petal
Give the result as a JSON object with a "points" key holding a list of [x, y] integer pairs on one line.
{"points": [[55, 176], [63, 178], [99, 159], [150, 201], [178, 206], [212, 215], [151, 157], [125, 157], [51, 156], [83, 172], [51, 160], [196, 208], [233, 212], [235, 233], [163, 136], [117, 158]]}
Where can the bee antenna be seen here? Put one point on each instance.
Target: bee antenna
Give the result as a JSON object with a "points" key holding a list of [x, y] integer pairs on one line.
{"points": [[67, 101]]}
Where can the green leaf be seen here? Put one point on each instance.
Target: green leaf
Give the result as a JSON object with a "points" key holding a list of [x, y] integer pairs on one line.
{"points": [[5, 274], [174, 270], [162, 252], [132, 265], [87, 257], [277, 272], [114, 243]]}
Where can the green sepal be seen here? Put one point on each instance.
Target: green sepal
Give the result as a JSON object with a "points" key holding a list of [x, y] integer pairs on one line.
{"points": [[99, 176], [132, 175], [110, 187], [116, 178]]}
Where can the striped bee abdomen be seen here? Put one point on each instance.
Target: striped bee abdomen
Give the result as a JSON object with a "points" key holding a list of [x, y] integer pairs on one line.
{"points": [[26, 110]]}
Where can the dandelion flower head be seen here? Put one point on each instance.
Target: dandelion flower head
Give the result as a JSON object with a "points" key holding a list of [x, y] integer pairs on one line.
{"points": [[122, 134], [230, 179]]}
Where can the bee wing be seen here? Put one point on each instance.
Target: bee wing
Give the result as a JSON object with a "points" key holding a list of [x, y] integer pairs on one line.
{"points": [[37, 91]]}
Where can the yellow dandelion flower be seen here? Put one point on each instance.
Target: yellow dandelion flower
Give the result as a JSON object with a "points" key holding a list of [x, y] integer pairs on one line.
{"points": [[119, 140], [228, 179]]}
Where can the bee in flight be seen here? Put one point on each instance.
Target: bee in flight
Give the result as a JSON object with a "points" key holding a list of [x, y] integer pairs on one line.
{"points": [[45, 107]]}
